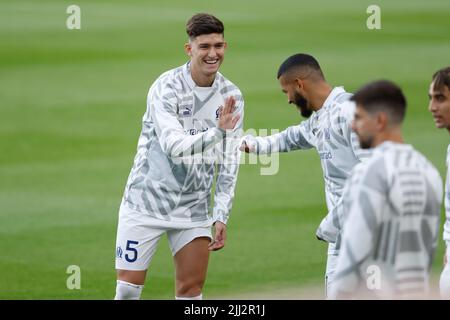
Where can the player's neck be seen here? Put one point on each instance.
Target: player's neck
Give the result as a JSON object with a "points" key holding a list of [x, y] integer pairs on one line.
{"points": [[393, 135], [202, 80], [321, 93]]}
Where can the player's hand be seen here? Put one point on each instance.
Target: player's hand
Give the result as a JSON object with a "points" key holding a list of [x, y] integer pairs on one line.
{"points": [[219, 237], [226, 119], [246, 146]]}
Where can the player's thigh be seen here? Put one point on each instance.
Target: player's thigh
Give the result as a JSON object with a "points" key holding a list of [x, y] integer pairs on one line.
{"points": [[134, 277], [136, 244], [190, 251]]}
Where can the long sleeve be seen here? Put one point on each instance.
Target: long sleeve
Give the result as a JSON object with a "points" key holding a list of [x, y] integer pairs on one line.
{"points": [[293, 138], [359, 231], [162, 105], [331, 226], [228, 170]]}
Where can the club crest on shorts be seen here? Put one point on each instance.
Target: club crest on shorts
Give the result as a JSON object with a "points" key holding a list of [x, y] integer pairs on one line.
{"points": [[119, 252]]}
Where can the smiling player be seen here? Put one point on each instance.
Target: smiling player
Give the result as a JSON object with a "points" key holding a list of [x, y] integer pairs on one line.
{"points": [[169, 193]]}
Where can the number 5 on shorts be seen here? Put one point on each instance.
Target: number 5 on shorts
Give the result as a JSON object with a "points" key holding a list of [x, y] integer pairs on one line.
{"points": [[133, 250]]}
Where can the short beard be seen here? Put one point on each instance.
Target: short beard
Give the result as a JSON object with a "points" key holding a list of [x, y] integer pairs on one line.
{"points": [[302, 105], [366, 144]]}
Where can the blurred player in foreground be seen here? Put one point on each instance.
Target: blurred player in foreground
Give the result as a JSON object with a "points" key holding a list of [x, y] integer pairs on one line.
{"points": [[327, 129], [191, 111], [391, 206], [439, 106]]}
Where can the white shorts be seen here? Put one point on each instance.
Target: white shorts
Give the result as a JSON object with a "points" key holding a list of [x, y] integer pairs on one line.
{"points": [[138, 236]]}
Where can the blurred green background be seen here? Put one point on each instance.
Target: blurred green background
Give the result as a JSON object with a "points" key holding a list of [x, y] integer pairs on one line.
{"points": [[71, 103]]}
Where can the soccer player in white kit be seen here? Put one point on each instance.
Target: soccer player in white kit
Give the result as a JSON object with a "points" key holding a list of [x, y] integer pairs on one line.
{"points": [[191, 110], [439, 106], [391, 212], [327, 129]]}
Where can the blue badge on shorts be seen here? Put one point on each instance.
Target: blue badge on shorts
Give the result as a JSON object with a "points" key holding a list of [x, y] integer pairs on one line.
{"points": [[119, 252]]}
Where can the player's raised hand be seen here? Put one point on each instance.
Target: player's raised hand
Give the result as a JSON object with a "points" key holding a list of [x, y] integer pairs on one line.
{"points": [[219, 237], [226, 119]]}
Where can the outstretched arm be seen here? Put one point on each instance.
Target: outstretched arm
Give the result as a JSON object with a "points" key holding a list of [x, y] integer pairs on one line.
{"points": [[293, 138]]}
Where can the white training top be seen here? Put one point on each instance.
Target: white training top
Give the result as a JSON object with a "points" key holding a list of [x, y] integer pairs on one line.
{"points": [[181, 148], [328, 131], [391, 219]]}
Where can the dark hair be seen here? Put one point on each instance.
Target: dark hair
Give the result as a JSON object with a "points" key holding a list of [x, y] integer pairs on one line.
{"points": [[203, 23], [442, 78], [382, 95], [299, 60]]}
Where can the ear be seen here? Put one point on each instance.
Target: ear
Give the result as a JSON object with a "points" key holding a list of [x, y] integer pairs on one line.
{"points": [[299, 83], [382, 121], [188, 49], [225, 45]]}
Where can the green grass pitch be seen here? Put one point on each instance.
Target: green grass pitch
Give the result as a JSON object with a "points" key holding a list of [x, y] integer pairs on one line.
{"points": [[71, 103]]}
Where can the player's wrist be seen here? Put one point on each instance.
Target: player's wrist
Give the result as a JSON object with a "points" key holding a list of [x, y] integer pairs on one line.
{"points": [[220, 132], [221, 217]]}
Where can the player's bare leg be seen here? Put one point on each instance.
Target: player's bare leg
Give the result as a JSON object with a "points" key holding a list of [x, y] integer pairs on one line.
{"points": [[131, 276], [191, 265]]}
